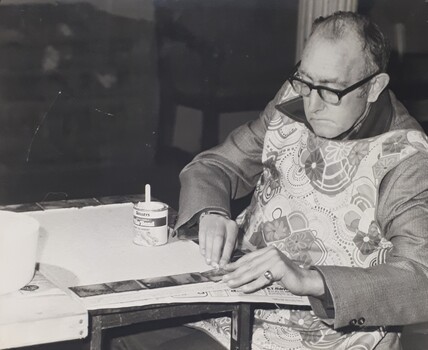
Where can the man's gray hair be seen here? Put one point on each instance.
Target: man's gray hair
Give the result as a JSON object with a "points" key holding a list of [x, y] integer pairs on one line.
{"points": [[375, 46]]}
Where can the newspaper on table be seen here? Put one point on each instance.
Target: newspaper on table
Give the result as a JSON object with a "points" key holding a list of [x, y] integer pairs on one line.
{"points": [[196, 287]]}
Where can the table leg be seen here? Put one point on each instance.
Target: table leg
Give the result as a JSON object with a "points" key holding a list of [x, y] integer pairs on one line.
{"points": [[95, 335], [242, 325]]}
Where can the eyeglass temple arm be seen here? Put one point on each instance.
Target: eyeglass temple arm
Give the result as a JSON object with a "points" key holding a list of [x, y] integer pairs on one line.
{"points": [[356, 85]]}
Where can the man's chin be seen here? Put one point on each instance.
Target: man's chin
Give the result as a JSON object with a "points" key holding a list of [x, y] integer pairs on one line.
{"points": [[327, 131]]}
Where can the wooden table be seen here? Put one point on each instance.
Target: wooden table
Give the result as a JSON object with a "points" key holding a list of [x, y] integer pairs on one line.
{"points": [[40, 313], [104, 319], [240, 313]]}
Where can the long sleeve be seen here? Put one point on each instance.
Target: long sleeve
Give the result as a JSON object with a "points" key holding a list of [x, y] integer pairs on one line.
{"points": [[228, 171], [394, 293]]}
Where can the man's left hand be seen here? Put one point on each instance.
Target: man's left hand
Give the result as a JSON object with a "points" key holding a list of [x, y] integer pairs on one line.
{"points": [[248, 273]]}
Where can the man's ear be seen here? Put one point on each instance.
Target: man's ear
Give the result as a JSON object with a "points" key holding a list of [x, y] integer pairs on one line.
{"points": [[377, 85]]}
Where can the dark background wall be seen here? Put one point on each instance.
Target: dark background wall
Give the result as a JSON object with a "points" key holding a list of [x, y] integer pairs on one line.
{"points": [[406, 25], [78, 101], [88, 91], [99, 98]]}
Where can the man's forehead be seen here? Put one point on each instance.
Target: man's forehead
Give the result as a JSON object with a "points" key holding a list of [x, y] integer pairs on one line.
{"points": [[349, 44], [332, 60]]}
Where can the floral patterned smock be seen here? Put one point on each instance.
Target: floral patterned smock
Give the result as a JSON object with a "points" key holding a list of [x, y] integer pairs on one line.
{"points": [[316, 202]]}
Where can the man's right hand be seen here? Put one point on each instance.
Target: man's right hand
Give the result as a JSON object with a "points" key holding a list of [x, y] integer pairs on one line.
{"points": [[217, 238]]}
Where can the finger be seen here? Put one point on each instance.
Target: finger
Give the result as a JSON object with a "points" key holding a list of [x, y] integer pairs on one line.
{"points": [[202, 240], [209, 236], [217, 246], [228, 248], [227, 252], [245, 259], [256, 284], [252, 279], [242, 275], [253, 267]]}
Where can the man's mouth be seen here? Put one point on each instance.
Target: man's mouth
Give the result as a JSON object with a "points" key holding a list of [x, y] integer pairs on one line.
{"points": [[320, 120]]}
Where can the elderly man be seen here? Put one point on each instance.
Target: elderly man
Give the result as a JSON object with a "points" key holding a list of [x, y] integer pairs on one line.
{"points": [[340, 205]]}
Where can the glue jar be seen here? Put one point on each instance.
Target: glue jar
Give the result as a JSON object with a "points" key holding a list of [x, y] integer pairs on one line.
{"points": [[150, 223]]}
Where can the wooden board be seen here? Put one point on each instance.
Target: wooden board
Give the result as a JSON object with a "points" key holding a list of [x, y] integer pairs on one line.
{"points": [[95, 245], [40, 313]]}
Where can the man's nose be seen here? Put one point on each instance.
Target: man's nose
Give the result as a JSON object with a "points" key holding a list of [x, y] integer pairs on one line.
{"points": [[315, 102]]}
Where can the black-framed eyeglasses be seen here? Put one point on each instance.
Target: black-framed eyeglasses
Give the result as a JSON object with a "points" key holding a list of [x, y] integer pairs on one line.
{"points": [[328, 95]]}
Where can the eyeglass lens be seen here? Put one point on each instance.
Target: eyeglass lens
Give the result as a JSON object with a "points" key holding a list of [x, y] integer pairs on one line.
{"points": [[303, 89]]}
